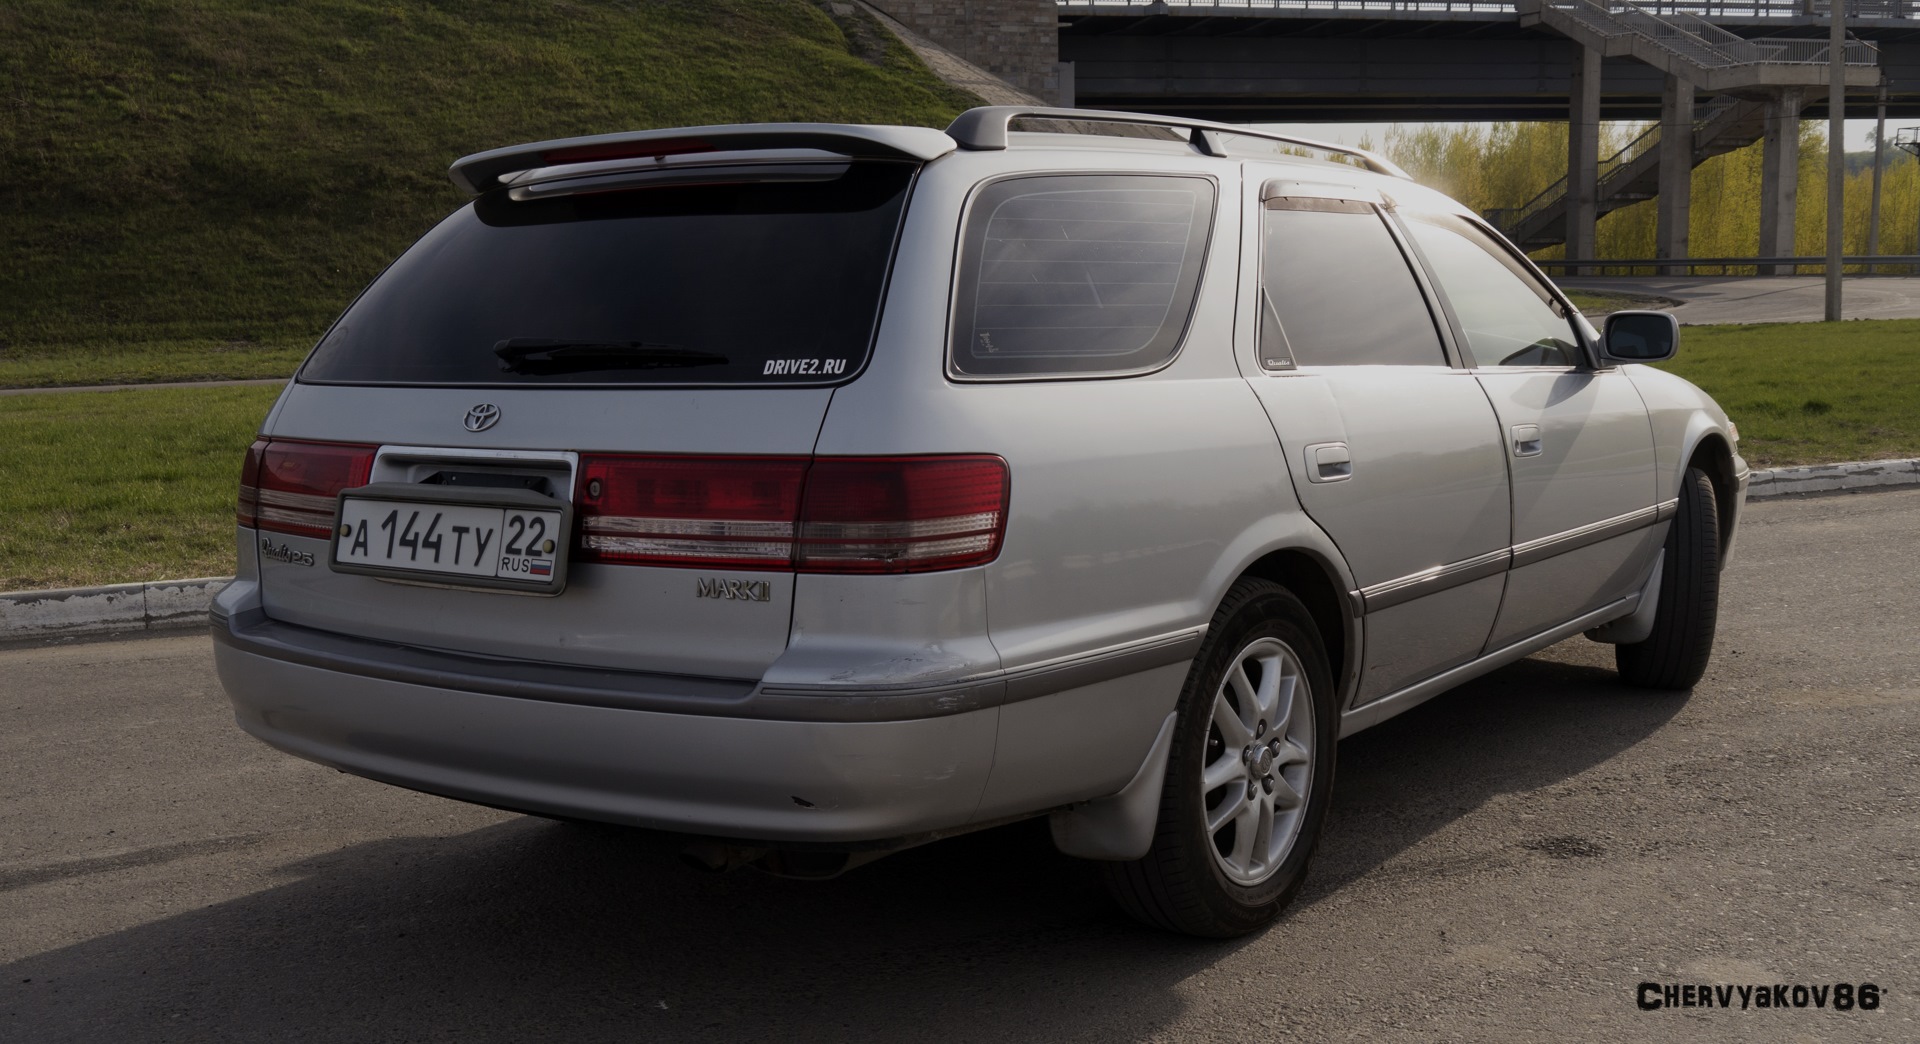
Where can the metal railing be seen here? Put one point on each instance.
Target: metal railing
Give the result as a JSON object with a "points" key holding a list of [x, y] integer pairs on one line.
{"points": [[1654, 266], [1383, 6], [1505, 218], [1700, 41], [1751, 10], [1742, 10], [1509, 218]]}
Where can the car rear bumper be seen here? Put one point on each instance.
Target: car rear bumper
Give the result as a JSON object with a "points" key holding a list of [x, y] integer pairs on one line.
{"points": [[595, 744]]}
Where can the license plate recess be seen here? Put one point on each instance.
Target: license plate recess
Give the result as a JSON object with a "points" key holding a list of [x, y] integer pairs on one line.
{"points": [[485, 538]]}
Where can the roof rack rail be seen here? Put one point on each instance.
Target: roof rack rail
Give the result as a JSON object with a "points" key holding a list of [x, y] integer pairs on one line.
{"points": [[985, 128], [486, 170]]}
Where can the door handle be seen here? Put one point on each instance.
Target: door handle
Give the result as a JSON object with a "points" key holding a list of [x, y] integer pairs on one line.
{"points": [[1329, 462], [1526, 440]]}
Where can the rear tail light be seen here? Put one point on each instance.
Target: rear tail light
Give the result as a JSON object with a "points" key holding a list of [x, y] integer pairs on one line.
{"points": [[248, 510], [289, 487], [902, 514], [826, 515], [689, 511]]}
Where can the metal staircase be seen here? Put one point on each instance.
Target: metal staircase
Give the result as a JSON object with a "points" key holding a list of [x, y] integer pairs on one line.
{"points": [[1633, 173], [1740, 71], [1688, 46]]}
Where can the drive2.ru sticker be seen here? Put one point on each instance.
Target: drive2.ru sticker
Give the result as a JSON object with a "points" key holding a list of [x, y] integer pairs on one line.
{"points": [[803, 367]]}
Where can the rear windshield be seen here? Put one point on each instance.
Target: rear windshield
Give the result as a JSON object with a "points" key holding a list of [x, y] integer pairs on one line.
{"points": [[736, 284]]}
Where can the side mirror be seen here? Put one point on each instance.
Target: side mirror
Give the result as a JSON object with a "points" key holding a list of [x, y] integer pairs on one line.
{"points": [[1641, 337]]}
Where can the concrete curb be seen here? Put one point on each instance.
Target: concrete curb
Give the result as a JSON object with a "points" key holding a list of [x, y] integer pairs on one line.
{"points": [[115, 608], [170, 604], [1832, 478]]}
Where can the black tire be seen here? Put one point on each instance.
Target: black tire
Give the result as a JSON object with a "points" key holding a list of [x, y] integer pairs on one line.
{"points": [[1675, 655], [1180, 885]]}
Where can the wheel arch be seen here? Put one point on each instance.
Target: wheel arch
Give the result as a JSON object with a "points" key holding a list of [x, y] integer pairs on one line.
{"points": [[1317, 583], [1713, 455], [1286, 549]]}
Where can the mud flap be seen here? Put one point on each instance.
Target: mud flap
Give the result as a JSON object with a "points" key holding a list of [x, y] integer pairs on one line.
{"points": [[1120, 827]]}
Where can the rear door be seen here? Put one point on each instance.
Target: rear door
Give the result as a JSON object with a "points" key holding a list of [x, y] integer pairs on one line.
{"points": [[1576, 438], [657, 360], [1392, 446]]}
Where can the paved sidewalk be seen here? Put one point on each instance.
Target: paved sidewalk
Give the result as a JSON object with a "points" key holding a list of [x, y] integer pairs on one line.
{"points": [[1765, 299], [138, 387]]}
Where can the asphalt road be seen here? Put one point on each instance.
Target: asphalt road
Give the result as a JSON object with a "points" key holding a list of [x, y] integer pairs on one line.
{"points": [[1507, 862]]}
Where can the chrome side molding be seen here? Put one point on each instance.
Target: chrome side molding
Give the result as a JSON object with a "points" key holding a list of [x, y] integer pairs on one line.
{"points": [[1432, 581], [1592, 533], [1439, 578]]}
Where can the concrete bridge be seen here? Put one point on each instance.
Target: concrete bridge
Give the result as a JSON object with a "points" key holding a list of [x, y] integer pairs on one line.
{"points": [[1303, 60], [1716, 74]]}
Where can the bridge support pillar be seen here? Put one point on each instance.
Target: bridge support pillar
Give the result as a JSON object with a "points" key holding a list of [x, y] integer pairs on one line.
{"points": [[1779, 177], [1676, 172], [1583, 157]]}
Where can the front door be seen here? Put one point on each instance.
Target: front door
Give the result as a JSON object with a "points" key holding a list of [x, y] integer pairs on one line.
{"points": [[1392, 446], [1577, 439]]}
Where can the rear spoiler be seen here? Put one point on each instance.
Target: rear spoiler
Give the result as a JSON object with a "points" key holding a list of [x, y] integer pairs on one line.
{"points": [[483, 171], [985, 129]]}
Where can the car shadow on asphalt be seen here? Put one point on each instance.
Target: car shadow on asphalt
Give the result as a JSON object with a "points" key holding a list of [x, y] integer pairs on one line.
{"points": [[1527, 727], [537, 930]]}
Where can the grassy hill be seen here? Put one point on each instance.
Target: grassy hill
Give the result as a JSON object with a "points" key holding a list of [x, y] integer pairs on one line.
{"points": [[217, 178]]}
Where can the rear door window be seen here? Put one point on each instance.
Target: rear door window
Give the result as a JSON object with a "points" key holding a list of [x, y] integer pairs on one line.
{"points": [[1076, 275], [1337, 291], [748, 283]]}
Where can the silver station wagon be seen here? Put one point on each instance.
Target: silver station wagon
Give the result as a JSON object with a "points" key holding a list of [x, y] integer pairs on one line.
{"points": [[816, 491]]}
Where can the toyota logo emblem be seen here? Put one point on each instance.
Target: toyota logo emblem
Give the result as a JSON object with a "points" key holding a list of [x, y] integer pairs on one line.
{"points": [[482, 417]]}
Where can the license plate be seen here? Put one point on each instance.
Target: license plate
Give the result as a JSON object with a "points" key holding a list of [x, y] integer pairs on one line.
{"points": [[477, 543]]}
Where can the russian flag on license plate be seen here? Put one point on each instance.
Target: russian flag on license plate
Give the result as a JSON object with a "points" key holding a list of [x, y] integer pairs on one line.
{"points": [[540, 567]]}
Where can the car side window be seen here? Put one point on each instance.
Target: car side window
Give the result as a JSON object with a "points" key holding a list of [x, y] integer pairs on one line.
{"points": [[1079, 275], [1509, 318], [1336, 290]]}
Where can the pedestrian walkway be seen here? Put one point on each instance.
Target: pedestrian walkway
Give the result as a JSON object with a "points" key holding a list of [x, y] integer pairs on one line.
{"points": [[1764, 299], [140, 387]]}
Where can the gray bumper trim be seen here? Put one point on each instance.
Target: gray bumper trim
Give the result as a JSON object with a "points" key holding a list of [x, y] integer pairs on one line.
{"points": [[253, 632]]}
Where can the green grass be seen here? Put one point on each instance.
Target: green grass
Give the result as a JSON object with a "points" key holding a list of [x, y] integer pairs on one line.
{"points": [[192, 189], [1811, 393], [202, 172], [112, 487], [108, 487]]}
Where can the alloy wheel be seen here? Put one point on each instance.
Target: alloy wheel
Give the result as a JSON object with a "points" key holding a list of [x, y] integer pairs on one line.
{"points": [[1258, 766]]}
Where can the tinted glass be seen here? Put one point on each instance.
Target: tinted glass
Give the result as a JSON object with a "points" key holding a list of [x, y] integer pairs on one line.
{"points": [[1079, 275], [1636, 336], [1336, 290], [1508, 317], [716, 284]]}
